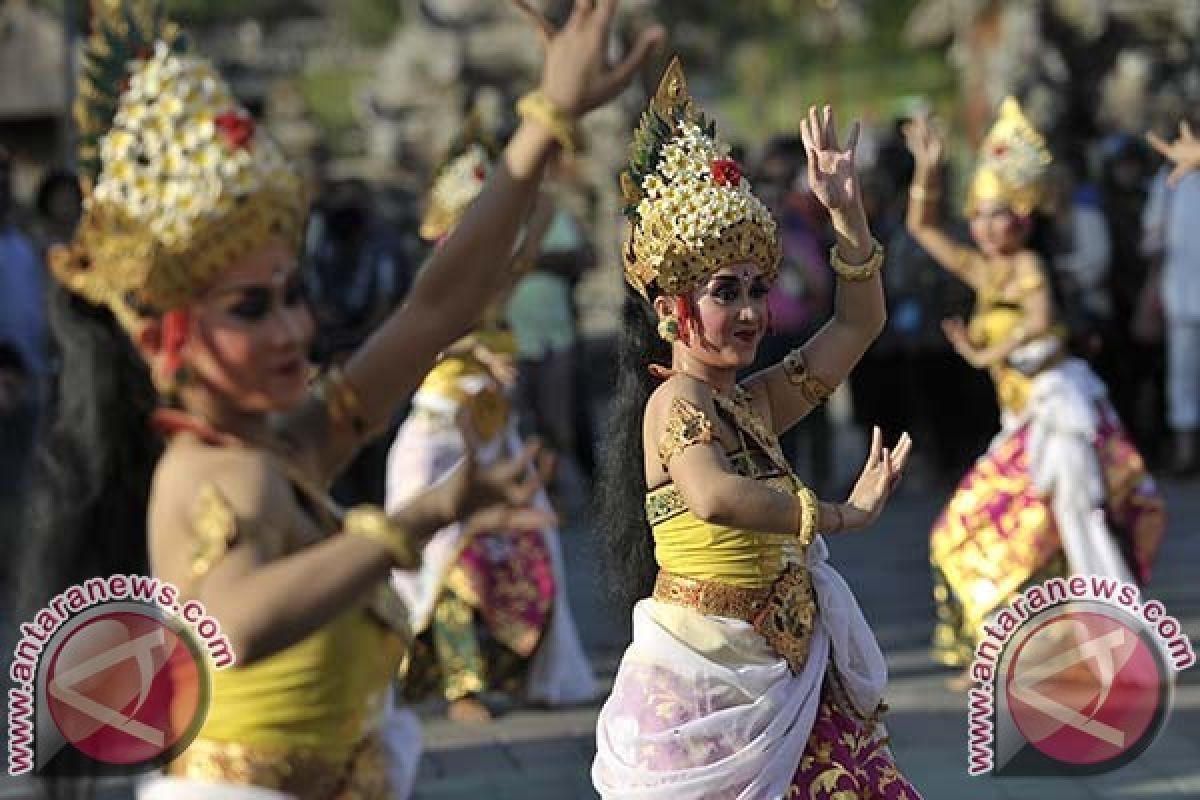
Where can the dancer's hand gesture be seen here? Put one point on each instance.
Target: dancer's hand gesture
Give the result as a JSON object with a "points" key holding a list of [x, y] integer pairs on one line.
{"points": [[831, 172], [575, 75], [496, 497], [925, 142], [960, 339], [880, 475], [1184, 152]]}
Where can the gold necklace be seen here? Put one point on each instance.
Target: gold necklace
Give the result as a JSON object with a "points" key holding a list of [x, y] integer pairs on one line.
{"points": [[740, 406]]}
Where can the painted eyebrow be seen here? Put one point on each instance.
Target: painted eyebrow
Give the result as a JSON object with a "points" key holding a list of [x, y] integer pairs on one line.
{"points": [[292, 277]]}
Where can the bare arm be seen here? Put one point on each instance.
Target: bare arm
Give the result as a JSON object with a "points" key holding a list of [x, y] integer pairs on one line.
{"points": [[455, 285], [921, 219], [234, 539], [859, 308]]}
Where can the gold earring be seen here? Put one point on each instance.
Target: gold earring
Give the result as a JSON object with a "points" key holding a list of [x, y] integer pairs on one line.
{"points": [[668, 328]]}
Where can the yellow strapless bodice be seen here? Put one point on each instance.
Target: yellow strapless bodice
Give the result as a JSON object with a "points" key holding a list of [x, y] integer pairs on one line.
{"points": [[326, 691], [687, 546], [998, 316]]}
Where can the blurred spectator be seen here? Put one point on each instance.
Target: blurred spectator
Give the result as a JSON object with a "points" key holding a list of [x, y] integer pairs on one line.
{"points": [[1083, 259], [1135, 372], [542, 315], [1171, 232], [23, 336], [58, 203], [357, 269], [801, 299], [901, 383]]}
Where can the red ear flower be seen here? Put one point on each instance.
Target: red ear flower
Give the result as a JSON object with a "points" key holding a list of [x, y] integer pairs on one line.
{"points": [[726, 172], [176, 324], [237, 127]]}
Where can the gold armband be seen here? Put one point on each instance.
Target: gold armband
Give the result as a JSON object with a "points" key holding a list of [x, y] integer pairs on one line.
{"points": [[806, 522], [538, 108], [215, 528], [342, 402], [687, 425], [857, 272], [371, 523], [812, 388], [921, 193]]}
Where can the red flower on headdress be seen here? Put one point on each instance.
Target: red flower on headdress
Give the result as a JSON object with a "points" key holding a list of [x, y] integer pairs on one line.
{"points": [[726, 172], [999, 150], [237, 127], [480, 172]]}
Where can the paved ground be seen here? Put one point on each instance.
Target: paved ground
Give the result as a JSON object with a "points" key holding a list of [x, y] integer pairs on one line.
{"points": [[533, 755]]}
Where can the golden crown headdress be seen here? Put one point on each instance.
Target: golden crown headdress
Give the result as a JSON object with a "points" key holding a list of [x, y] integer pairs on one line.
{"points": [[1013, 161], [459, 178], [178, 180], [690, 209]]}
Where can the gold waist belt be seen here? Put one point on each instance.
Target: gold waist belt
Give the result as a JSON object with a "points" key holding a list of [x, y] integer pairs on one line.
{"points": [[307, 773], [783, 614]]}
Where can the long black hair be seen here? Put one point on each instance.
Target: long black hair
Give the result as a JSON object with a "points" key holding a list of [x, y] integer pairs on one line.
{"points": [[85, 509], [621, 489]]}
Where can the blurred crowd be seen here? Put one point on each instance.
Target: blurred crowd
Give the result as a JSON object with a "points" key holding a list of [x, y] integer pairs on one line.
{"points": [[1118, 223]]}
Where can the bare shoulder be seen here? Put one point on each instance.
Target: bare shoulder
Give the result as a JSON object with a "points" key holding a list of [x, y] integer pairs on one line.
{"points": [[247, 479], [676, 388]]}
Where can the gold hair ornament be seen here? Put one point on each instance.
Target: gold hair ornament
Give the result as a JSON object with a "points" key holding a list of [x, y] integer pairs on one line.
{"points": [[1013, 161], [690, 210], [178, 180]]}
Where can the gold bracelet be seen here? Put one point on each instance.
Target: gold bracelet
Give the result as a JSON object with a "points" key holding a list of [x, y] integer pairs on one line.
{"points": [[371, 523], [857, 272], [538, 108], [812, 389], [341, 400], [922, 193], [806, 524]]}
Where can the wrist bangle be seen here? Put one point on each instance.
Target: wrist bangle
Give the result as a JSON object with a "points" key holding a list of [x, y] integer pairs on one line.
{"points": [[538, 108], [922, 193], [806, 522], [857, 272], [370, 522]]}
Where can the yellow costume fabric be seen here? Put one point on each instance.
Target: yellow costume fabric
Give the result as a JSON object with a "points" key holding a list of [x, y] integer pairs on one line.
{"points": [[689, 547]]}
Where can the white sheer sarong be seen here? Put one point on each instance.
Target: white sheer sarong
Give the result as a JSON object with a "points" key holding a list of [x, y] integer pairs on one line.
{"points": [[702, 708]]}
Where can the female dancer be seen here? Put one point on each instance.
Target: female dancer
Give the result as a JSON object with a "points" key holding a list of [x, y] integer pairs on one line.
{"points": [[752, 672], [1062, 487], [188, 244], [491, 612]]}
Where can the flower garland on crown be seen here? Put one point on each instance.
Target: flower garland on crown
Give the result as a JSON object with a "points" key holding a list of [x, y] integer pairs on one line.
{"points": [[181, 151], [684, 195]]}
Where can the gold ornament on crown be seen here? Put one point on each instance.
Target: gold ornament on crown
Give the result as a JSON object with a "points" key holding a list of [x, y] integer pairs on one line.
{"points": [[691, 211], [1013, 161], [459, 179], [179, 181]]}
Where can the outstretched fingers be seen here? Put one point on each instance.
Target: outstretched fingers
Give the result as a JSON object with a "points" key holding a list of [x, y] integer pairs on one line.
{"points": [[623, 73], [536, 18]]}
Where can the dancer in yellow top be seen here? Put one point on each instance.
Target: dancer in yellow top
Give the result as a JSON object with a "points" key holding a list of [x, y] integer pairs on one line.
{"points": [[1062, 488], [186, 313], [752, 672]]}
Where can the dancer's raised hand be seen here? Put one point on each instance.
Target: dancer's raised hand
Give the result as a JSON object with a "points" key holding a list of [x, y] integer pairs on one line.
{"points": [[575, 75], [1184, 152], [880, 475], [925, 142], [832, 175]]}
